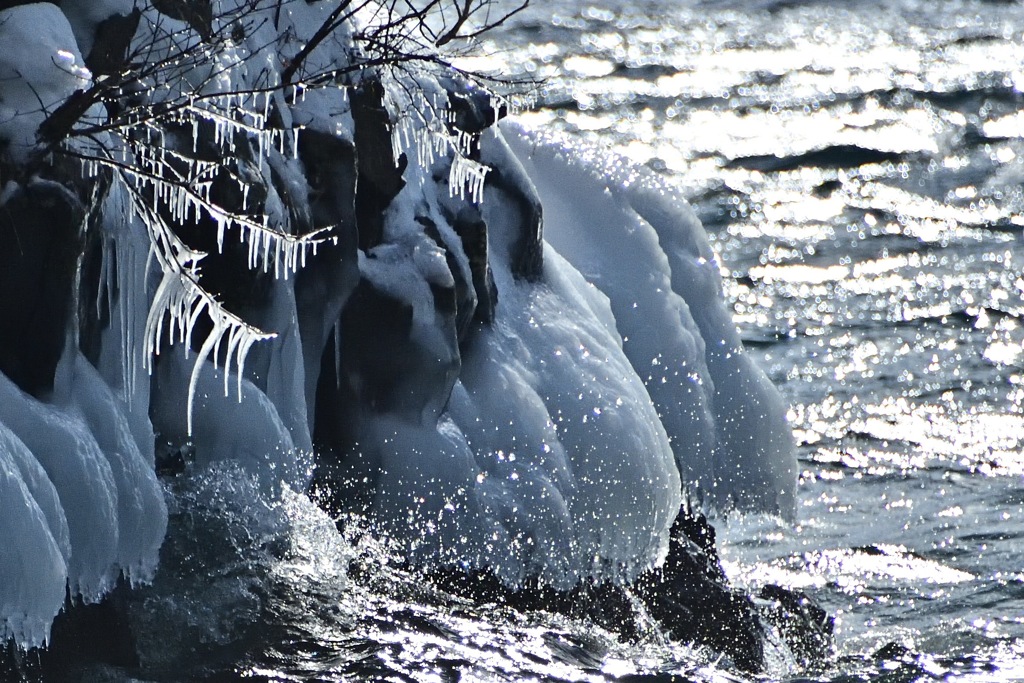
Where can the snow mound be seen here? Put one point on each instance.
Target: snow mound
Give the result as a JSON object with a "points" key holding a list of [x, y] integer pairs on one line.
{"points": [[84, 504], [634, 238], [40, 67]]}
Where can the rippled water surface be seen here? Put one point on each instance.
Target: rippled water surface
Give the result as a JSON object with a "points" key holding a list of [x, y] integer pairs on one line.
{"points": [[860, 169]]}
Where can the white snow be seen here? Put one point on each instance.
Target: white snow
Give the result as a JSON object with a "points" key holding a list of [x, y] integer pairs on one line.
{"points": [[637, 240], [40, 67], [88, 492], [244, 428]]}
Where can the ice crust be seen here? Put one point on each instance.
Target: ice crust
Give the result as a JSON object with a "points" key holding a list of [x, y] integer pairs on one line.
{"points": [[561, 451], [603, 389], [90, 494], [633, 237]]}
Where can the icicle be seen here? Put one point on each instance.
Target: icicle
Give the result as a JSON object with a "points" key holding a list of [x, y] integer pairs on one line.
{"points": [[127, 275], [466, 174], [221, 229], [234, 337], [204, 351]]}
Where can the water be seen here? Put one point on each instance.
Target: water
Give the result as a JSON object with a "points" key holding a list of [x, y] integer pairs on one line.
{"points": [[860, 171]]}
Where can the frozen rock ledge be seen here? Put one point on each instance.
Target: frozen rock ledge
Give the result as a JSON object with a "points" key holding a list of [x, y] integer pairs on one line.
{"points": [[512, 357]]}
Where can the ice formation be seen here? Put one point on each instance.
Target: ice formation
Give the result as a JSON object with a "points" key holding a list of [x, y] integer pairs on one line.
{"points": [[82, 505], [637, 240], [365, 278]]}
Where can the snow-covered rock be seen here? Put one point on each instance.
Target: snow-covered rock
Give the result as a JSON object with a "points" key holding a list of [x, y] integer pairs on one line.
{"points": [[40, 67], [348, 272]]}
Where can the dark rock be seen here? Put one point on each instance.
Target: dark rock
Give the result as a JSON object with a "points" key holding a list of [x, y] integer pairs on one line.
{"points": [[335, 434], [196, 13], [112, 40], [8, 4], [59, 123], [833, 156], [323, 287], [388, 370], [509, 176], [380, 177], [892, 651], [690, 596], [469, 225], [827, 188], [93, 297], [293, 191], [606, 604], [465, 295], [40, 240], [81, 636], [471, 109], [376, 366], [330, 165], [375, 328], [806, 628]]}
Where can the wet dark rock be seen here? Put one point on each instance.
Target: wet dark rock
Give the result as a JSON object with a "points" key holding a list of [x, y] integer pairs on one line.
{"points": [[93, 299], [892, 651], [606, 604], [471, 110], [112, 40], [7, 4], [827, 188], [40, 242], [387, 369], [509, 176], [335, 434], [380, 177], [469, 225], [293, 191], [690, 596], [369, 366], [806, 628], [82, 636], [330, 169], [465, 297], [377, 366], [323, 287], [196, 13]]}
